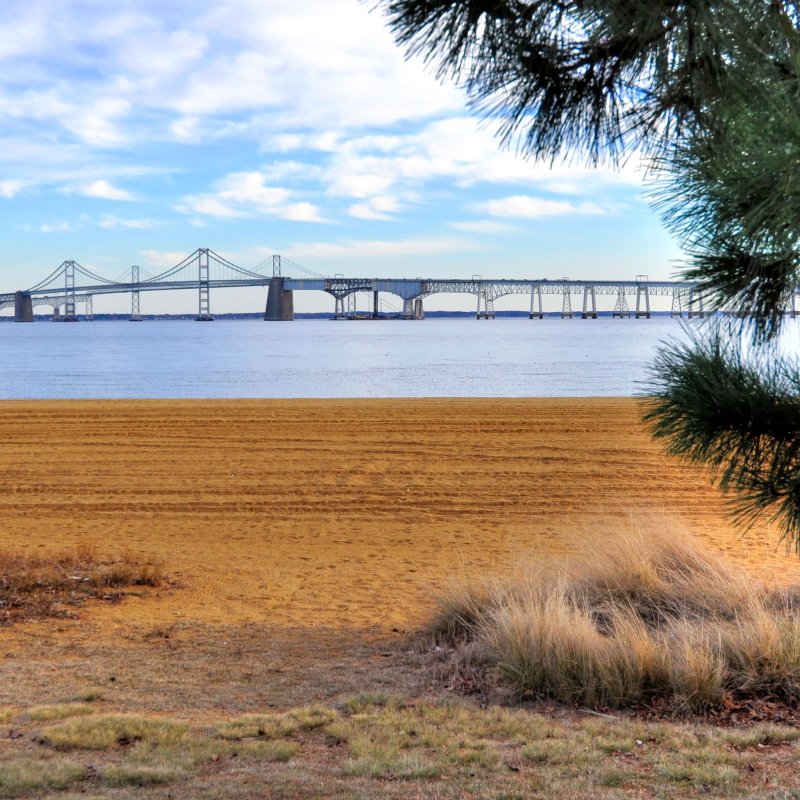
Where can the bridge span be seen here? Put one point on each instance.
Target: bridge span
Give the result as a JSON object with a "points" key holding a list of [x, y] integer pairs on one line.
{"points": [[70, 285]]}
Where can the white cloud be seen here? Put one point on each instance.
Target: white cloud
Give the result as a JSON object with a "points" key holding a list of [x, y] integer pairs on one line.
{"points": [[524, 207], [455, 154], [460, 151], [163, 259], [365, 249], [187, 129], [25, 31], [49, 227], [245, 194], [189, 69], [103, 190], [209, 206], [380, 207], [249, 188], [487, 226], [97, 124], [300, 212], [10, 188], [111, 222]]}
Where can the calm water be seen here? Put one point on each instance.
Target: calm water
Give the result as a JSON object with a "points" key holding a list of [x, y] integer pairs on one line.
{"points": [[513, 357]]}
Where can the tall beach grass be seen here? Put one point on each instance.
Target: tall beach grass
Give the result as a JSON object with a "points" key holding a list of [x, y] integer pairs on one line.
{"points": [[652, 613]]}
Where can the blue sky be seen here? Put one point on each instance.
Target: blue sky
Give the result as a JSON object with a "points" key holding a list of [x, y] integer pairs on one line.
{"points": [[137, 131]]}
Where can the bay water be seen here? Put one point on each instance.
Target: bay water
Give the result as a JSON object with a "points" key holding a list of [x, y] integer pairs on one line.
{"points": [[230, 358]]}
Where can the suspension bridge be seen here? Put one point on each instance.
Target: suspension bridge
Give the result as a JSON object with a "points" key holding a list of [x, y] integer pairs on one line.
{"points": [[71, 286]]}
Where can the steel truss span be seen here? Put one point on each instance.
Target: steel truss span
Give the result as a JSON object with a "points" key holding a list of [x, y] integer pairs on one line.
{"points": [[71, 285]]}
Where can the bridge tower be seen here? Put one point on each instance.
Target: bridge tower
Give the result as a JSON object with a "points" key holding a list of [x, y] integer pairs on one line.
{"points": [[203, 287], [280, 301], [588, 294], [23, 307], [566, 304], [69, 293], [621, 307], [135, 315]]}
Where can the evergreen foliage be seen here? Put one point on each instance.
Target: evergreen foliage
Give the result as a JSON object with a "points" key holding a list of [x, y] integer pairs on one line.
{"points": [[709, 92], [602, 76], [738, 413]]}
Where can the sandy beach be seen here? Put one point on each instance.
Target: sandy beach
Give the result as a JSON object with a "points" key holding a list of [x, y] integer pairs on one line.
{"points": [[344, 513], [303, 544]]}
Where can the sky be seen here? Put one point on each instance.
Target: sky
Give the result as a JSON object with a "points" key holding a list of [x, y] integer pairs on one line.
{"points": [[135, 132]]}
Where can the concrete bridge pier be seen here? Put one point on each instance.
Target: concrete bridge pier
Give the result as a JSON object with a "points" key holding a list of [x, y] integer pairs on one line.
{"points": [[280, 302], [698, 299], [412, 308], [536, 294], [488, 305], [589, 295], [23, 307], [677, 303]]}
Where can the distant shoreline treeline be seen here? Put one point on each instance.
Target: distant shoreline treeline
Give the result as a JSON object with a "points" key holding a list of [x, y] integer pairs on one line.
{"points": [[323, 315]]}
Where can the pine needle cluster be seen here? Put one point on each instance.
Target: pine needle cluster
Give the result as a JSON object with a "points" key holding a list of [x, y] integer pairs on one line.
{"points": [[736, 409]]}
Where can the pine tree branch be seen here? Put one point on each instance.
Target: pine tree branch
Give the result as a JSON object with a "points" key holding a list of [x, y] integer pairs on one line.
{"points": [[600, 77], [740, 415]]}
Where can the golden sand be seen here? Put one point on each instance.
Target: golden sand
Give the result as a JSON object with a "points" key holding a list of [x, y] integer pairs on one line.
{"points": [[339, 512]]}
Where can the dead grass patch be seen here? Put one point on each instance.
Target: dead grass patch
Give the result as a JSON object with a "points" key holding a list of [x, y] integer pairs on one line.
{"points": [[21, 776], [136, 775], [113, 730], [276, 726], [49, 713], [55, 584], [373, 746], [650, 614], [192, 751]]}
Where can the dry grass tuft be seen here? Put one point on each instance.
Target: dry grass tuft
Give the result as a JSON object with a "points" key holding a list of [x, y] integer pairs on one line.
{"points": [[374, 745], [136, 775], [113, 730], [21, 776], [61, 711], [276, 726], [53, 585], [389, 764], [651, 614]]}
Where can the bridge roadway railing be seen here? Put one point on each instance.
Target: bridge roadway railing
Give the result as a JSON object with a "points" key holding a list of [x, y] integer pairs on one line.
{"points": [[412, 290], [686, 297]]}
